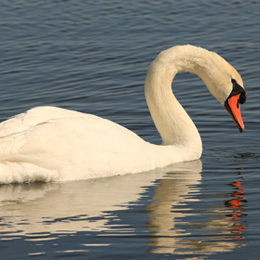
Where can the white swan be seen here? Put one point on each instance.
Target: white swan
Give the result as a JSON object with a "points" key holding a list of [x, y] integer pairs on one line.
{"points": [[54, 144]]}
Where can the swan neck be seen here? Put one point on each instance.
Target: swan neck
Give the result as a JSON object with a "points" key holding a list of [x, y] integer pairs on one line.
{"points": [[171, 120]]}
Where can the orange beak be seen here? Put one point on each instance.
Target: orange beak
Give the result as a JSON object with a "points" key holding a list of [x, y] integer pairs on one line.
{"points": [[232, 105]]}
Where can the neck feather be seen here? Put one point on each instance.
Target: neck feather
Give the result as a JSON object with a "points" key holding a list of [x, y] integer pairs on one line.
{"points": [[172, 122]]}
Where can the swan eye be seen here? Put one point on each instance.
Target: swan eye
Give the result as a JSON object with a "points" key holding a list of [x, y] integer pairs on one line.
{"points": [[237, 89]]}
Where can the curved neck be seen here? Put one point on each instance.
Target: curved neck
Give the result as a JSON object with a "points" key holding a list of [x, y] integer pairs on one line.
{"points": [[172, 122]]}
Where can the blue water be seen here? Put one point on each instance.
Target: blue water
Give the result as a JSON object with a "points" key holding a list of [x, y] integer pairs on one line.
{"points": [[92, 56]]}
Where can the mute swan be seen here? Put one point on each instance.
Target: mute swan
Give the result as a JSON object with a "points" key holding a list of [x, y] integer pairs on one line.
{"points": [[55, 144]]}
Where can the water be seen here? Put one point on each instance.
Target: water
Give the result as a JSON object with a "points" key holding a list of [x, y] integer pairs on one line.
{"points": [[92, 56]]}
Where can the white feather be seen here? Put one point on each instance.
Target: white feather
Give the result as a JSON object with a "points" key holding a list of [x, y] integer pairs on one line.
{"points": [[54, 144]]}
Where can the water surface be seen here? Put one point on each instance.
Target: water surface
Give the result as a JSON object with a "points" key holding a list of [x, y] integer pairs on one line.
{"points": [[92, 56]]}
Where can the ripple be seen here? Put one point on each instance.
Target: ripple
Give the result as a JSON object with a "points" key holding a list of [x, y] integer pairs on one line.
{"points": [[247, 155]]}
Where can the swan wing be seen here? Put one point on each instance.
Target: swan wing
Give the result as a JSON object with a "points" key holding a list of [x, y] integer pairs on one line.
{"points": [[57, 144]]}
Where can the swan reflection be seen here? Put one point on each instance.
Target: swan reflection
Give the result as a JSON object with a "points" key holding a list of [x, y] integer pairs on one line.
{"points": [[177, 228], [76, 205], [180, 219]]}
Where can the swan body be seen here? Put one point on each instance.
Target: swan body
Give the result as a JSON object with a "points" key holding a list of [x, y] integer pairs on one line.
{"points": [[55, 144]]}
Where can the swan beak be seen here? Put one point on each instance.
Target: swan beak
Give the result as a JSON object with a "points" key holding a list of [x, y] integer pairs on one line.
{"points": [[232, 105]]}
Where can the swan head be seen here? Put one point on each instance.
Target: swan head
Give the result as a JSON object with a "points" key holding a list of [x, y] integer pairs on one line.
{"points": [[232, 104], [226, 85]]}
